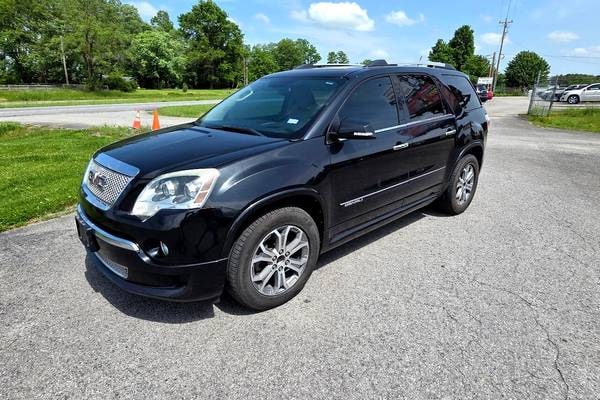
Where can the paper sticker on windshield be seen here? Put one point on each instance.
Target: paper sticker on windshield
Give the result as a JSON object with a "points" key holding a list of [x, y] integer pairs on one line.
{"points": [[292, 121]]}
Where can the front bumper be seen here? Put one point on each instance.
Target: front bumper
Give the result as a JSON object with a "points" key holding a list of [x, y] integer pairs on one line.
{"points": [[125, 264]]}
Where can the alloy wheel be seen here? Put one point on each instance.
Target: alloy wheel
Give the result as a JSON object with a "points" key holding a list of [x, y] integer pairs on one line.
{"points": [[464, 186], [279, 260]]}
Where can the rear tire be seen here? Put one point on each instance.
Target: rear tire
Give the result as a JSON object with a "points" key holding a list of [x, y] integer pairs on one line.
{"points": [[462, 186], [573, 99], [273, 258]]}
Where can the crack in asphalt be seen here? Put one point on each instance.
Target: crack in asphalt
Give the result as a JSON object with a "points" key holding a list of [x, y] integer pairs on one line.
{"points": [[531, 306]]}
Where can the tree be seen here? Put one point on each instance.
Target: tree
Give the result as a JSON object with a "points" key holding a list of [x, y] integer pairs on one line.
{"points": [[337, 58], [523, 69], [331, 57], [441, 52], [573, 79], [162, 22], [462, 46], [476, 66], [24, 25], [342, 58], [157, 59], [309, 53], [100, 32], [215, 46], [287, 54], [262, 61], [366, 61]]}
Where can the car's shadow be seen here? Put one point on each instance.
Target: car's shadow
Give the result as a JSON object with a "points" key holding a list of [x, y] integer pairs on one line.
{"points": [[177, 313]]}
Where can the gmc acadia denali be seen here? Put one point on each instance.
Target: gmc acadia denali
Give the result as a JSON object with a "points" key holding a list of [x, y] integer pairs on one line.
{"points": [[296, 163]]}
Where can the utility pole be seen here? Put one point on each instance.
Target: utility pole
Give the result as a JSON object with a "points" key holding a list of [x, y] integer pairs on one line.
{"points": [[491, 72], [64, 60], [506, 22]]}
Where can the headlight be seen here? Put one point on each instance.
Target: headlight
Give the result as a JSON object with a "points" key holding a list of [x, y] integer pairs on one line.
{"points": [[177, 190], [86, 174]]}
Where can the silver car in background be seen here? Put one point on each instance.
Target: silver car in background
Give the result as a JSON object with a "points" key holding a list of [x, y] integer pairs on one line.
{"points": [[587, 93]]}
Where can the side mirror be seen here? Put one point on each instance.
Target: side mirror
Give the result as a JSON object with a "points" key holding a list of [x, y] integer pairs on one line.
{"points": [[354, 129]]}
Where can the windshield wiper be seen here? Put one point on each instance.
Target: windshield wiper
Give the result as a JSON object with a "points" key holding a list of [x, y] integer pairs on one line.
{"points": [[233, 128]]}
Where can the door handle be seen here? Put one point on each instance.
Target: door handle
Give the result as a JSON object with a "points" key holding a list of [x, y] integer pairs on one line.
{"points": [[400, 146], [450, 132]]}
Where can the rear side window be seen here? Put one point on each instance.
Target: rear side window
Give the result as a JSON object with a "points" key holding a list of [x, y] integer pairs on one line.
{"points": [[422, 96], [373, 102], [462, 94]]}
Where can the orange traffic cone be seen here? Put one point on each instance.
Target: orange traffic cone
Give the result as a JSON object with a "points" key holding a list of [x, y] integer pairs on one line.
{"points": [[155, 123], [137, 121]]}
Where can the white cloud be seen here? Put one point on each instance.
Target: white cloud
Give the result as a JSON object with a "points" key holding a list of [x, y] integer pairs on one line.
{"points": [[562, 36], [487, 18], [299, 15], [380, 53], [262, 18], [592, 51], [344, 15], [493, 38], [145, 9], [401, 19]]}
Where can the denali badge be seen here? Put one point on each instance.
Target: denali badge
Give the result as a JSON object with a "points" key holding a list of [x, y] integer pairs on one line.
{"points": [[97, 179], [352, 202]]}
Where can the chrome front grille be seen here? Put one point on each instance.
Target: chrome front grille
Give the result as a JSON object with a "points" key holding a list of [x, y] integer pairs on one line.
{"points": [[104, 183]]}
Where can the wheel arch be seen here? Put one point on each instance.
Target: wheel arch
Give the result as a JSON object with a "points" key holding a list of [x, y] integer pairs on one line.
{"points": [[307, 199], [476, 149]]}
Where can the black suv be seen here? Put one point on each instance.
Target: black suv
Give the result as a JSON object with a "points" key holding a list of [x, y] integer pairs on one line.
{"points": [[291, 166]]}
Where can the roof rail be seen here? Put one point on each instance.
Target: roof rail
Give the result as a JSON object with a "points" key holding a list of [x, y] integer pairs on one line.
{"points": [[379, 63], [309, 66], [435, 64]]}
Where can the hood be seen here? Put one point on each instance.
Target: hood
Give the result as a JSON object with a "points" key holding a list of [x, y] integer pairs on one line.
{"points": [[572, 91], [186, 145]]}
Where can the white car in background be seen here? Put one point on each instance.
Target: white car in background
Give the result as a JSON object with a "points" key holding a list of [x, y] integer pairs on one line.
{"points": [[588, 93]]}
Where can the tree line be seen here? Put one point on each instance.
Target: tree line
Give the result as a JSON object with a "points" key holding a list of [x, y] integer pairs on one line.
{"points": [[98, 42], [521, 71]]}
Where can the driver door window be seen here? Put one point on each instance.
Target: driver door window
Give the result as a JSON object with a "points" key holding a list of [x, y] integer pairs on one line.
{"points": [[373, 102]]}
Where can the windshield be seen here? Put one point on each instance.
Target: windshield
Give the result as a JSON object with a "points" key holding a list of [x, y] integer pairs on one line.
{"points": [[275, 107]]}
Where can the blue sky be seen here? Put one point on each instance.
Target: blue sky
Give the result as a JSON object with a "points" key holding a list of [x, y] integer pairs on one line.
{"points": [[565, 32]]}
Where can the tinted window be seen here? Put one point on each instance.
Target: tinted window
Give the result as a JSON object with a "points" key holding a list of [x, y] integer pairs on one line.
{"points": [[373, 102], [276, 107], [462, 90], [594, 87], [421, 95]]}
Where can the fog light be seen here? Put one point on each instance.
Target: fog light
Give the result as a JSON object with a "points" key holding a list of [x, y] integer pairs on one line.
{"points": [[158, 249], [164, 248]]}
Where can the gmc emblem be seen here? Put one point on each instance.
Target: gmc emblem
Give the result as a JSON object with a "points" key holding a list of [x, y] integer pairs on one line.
{"points": [[97, 179]]}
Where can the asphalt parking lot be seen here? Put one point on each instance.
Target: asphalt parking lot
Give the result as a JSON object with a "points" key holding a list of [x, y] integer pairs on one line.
{"points": [[502, 301]]}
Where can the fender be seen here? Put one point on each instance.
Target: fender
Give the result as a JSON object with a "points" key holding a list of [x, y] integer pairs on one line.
{"points": [[476, 143], [257, 204]]}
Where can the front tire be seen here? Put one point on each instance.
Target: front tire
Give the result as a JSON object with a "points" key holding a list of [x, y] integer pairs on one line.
{"points": [[461, 189], [273, 258], [573, 99]]}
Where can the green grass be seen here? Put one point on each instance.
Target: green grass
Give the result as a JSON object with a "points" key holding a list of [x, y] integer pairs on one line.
{"points": [[580, 119], [185, 111], [41, 169], [32, 98]]}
